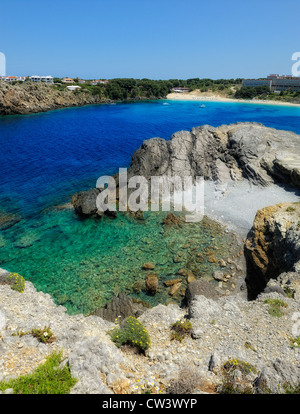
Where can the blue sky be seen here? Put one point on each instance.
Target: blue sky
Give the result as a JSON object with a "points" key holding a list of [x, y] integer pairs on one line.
{"points": [[157, 39]]}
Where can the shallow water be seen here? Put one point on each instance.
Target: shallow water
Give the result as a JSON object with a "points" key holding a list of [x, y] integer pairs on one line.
{"points": [[47, 157]]}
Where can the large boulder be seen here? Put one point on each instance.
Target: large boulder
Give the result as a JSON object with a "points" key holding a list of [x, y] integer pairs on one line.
{"points": [[200, 287], [224, 154], [120, 307], [272, 246], [84, 202], [252, 150]]}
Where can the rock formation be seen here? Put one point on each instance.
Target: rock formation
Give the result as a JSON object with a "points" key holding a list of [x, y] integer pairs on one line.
{"points": [[227, 153], [260, 154], [272, 246], [29, 98]]}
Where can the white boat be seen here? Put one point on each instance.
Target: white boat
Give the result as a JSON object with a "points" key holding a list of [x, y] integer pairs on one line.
{"points": [[202, 106]]}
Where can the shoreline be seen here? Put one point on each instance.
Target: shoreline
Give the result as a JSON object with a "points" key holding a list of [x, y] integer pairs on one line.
{"points": [[192, 96]]}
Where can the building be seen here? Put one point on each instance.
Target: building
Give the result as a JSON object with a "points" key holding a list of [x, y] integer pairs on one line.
{"points": [[253, 83], [73, 87], [47, 79], [13, 78], [97, 81], [68, 80], [180, 89], [35, 78], [275, 83], [283, 83], [81, 81], [10, 78]]}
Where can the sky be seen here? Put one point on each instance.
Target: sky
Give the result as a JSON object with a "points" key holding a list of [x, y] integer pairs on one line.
{"points": [[156, 39]]}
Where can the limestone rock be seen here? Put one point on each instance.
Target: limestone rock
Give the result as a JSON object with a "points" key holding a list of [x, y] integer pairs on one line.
{"points": [[272, 246], [119, 308], [199, 287]]}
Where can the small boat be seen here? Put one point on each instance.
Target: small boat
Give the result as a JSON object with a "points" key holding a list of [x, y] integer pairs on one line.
{"points": [[202, 106]]}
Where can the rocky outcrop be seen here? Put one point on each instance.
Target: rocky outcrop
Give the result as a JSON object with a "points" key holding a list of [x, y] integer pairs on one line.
{"points": [[227, 331], [29, 98], [260, 154], [272, 246], [120, 308], [224, 154]]}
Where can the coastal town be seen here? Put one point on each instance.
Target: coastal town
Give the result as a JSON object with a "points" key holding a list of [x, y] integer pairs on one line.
{"points": [[274, 82]]}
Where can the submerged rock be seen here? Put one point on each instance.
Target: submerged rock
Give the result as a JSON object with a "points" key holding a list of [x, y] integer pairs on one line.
{"points": [[8, 220], [151, 283]]}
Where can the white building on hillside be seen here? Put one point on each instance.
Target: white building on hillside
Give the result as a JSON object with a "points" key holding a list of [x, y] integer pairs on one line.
{"points": [[46, 79]]}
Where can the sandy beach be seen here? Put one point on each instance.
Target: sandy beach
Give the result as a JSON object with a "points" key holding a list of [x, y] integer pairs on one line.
{"points": [[209, 96]]}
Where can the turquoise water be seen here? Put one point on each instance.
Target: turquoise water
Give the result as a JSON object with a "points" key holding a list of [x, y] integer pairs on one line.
{"points": [[47, 157]]}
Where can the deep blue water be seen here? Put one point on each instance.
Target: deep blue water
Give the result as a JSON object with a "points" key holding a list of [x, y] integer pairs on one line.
{"points": [[48, 156]]}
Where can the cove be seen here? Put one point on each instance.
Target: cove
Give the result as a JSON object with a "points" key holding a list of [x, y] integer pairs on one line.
{"points": [[47, 157]]}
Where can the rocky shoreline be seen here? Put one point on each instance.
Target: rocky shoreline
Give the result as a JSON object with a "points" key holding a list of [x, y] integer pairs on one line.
{"points": [[223, 329], [235, 345], [33, 98]]}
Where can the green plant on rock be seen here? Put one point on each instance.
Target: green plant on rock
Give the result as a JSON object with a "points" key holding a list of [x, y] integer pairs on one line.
{"points": [[295, 342], [131, 332], [44, 335], [291, 389], [48, 378], [230, 383], [275, 306], [16, 282], [181, 329]]}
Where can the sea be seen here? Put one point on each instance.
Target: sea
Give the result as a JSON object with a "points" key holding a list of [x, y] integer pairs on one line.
{"points": [[82, 263]]}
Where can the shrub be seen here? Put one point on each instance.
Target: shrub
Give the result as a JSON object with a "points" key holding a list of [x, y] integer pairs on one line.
{"points": [[16, 282], [132, 332], [275, 306], [43, 335], [48, 378], [290, 389], [186, 383], [181, 329], [290, 209], [295, 342], [237, 384]]}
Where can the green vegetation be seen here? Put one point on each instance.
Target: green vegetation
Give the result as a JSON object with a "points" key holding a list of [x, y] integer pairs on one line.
{"points": [[275, 306], [249, 346], [295, 342], [48, 378], [248, 92], [230, 385], [43, 335], [290, 209], [289, 389], [121, 89], [181, 329], [16, 282], [132, 332], [263, 92]]}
